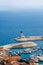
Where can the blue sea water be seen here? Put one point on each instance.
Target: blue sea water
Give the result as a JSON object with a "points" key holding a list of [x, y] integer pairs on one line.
{"points": [[11, 23]]}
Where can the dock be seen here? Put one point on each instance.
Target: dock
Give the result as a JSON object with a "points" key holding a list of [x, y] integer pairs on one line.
{"points": [[22, 38], [20, 45]]}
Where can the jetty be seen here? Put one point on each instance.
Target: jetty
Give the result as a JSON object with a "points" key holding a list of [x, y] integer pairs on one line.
{"points": [[20, 45], [22, 38]]}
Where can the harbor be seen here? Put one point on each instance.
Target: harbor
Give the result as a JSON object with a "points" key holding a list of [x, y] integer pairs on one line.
{"points": [[21, 32], [22, 53], [15, 57]]}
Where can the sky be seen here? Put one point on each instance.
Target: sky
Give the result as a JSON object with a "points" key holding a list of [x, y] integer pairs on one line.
{"points": [[20, 4]]}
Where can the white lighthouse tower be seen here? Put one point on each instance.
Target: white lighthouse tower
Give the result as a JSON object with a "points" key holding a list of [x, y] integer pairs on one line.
{"points": [[21, 34]]}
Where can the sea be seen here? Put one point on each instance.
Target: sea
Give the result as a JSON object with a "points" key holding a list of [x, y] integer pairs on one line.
{"points": [[30, 22]]}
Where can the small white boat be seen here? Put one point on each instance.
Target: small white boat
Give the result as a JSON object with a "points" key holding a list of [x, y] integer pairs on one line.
{"points": [[40, 57], [35, 58], [29, 50], [19, 52]]}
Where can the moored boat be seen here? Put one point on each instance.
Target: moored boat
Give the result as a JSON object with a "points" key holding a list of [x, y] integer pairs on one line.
{"points": [[40, 57], [34, 58]]}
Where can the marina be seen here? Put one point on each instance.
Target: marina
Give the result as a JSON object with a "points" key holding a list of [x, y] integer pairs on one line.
{"points": [[21, 38], [12, 56], [27, 51], [24, 50]]}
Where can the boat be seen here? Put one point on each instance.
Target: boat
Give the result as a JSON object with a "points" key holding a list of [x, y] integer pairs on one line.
{"points": [[29, 50], [34, 58], [40, 57], [23, 38], [26, 51]]}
